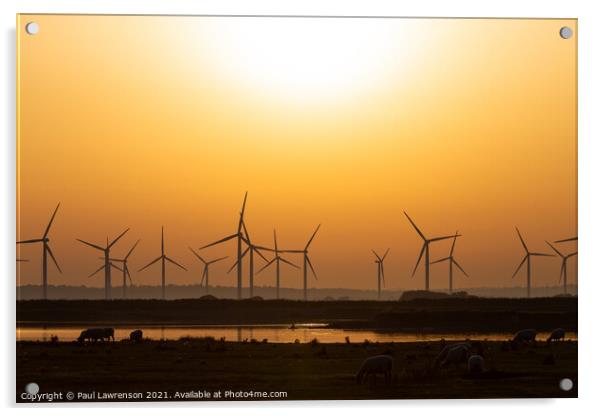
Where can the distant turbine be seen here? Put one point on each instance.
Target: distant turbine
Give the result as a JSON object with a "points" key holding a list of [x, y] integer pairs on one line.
{"points": [[527, 258], [380, 269], [103, 266], [277, 259], [250, 250], [452, 263], [425, 251], [126, 269], [107, 255], [205, 275], [563, 272], [239, 240], [163, 258], [306, 261], [45, 251]]}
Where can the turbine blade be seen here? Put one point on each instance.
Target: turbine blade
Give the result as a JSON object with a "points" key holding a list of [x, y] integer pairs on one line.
{"points": [[382, 272], [151, 263], [555, 249], [36, 240], [289, 263], [244, 228], [97, 270], [312, 237], [520, 265], [415, 226], [52, 257], [230, 237], [91, 245], [116, 267], [260, 254], [131, 250], [571, 255], [377, 256], [203, 277], [267, 265], [440, 260], [459, 267], [521, 240], [216, 260], [562, 269], [386, 252], [451, 252], [197, 255], [419, 258], [542, 254], [118, 237], [445, 237], [176, 263], [51, 220], [275, 241], [311, 267], [566, 239]]}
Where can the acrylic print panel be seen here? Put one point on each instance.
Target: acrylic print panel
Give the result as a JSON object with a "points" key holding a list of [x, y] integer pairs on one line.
{"points": [[284, 208]]}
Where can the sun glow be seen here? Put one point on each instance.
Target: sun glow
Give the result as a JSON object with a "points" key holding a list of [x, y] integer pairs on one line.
{"points": [[300, 59]]}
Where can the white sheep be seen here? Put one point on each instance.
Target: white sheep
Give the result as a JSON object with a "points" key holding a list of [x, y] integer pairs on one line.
{"points": [[458, 354], [476, 364], [443, 353], [556, 335], [524, 336], [378, 364]]}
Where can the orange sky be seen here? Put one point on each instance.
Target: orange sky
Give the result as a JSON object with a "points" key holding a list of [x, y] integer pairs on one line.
{"points": [[147, 121]]}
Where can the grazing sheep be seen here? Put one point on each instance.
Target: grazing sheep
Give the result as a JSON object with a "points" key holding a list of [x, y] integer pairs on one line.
{"points": [[376, 364], [443, 353], [456, 355], [136, 336], [476, 364], [524, 336], [95, 334], [556, 335]]}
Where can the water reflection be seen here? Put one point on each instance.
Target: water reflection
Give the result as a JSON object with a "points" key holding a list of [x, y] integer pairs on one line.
{"points": [[273, 333]]}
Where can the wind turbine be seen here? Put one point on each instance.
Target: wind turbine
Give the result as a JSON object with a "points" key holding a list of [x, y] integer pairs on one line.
{"points": [[205, 275], [276, 260], [104, 265], [45, 251], [107, 255], [563, 272], [380, 269], [527, 259], [239, 240], [126, 269], [425, 251], [250, 250], [163, 259], [452, 263], [306, 261]]}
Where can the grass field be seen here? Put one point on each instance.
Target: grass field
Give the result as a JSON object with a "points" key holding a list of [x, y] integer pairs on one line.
{"points": [[303, 371]]}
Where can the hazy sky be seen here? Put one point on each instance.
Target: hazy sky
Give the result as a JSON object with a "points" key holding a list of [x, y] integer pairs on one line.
{"points": [[147, 121]]}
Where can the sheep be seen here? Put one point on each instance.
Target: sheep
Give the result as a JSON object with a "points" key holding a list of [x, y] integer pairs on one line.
{"points": [[376, 364], [523, 336], [556, 335], [95, 334], [476, 364], [136, 336], [456, 355], [443, 353]]}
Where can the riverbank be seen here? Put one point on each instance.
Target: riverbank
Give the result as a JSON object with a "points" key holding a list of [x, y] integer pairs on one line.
{"points": [[297, 371]]}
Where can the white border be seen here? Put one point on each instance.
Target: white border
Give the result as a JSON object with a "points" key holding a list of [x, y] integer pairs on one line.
{"points": [[590, 206]]}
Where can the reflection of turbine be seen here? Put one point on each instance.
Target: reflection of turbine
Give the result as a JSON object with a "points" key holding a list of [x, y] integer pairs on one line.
{"points": [[45, 251], [563, 272], [205, 275], [380, 269], [250, 250], [306, 261], [126, 269], [527, 258], [107, 267], [452, 263], [239, 239], [425, 251], [163, 258], [277, 259]]}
